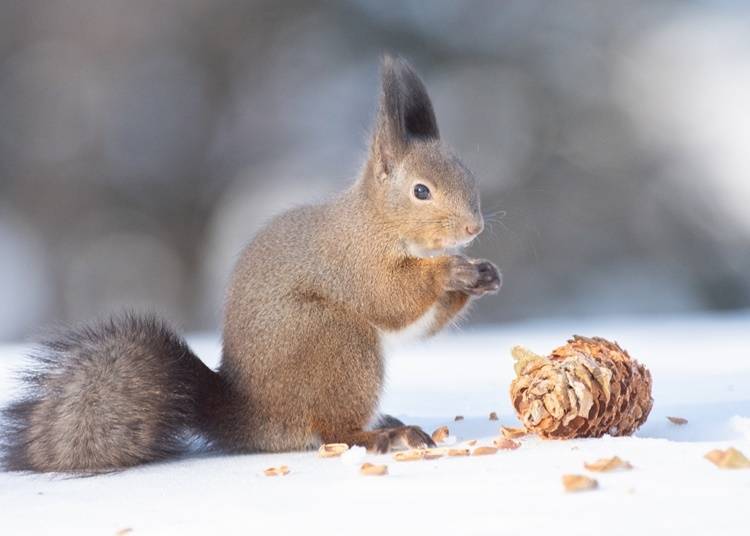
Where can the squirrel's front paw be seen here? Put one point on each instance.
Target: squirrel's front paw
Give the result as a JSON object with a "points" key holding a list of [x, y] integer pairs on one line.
{"points": [[473, 276]]}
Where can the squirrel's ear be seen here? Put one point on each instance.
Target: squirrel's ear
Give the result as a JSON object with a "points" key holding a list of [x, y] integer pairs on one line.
{"points": [[405, 114]]}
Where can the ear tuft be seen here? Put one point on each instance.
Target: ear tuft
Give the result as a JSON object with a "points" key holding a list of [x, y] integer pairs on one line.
{"points": [[405, 114], [418, 115]]}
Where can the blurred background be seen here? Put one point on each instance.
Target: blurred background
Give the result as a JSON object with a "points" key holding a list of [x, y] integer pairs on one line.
{"points": [[143, 142]]}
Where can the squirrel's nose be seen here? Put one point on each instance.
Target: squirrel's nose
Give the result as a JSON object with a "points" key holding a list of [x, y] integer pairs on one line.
{"points": [[474, 228]]}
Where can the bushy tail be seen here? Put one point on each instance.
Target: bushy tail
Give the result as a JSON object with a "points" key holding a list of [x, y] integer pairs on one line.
{"points": [[108, 396]]}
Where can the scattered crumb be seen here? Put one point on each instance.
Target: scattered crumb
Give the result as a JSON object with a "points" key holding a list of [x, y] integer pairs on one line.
{"points": [[409, 455], [578, 483], [434, 454], [282, 470], [493, 416], [471, 442], [370, 469], [458, 418], [678, 420], [331, 450], [606, 465], [512, 433], [124, 531], [504, 443], [458, 452], [440, 434], [728, 459]]}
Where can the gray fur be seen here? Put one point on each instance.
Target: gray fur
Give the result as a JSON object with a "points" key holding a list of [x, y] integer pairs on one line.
{"points": [[107, 396]]}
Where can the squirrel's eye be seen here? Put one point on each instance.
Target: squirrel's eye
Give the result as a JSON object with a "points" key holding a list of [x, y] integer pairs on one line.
{"points": [[421, 192]]}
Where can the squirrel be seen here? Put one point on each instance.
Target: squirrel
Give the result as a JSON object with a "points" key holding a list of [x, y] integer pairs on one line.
{"points": [[310, 301]]}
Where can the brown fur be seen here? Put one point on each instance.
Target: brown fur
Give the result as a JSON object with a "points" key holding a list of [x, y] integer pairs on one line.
{"points": [[312, 292], [308, 302]]}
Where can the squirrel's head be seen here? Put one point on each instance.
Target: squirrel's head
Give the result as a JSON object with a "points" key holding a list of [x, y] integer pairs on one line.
{"points": [[421, 189]]}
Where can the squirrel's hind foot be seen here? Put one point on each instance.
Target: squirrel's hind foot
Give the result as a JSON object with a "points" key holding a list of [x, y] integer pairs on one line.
{"points": [[383, 440]]}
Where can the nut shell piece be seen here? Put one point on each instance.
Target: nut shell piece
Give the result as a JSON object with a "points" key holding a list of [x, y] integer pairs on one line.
{"points": [[574, 483], [513, 433], [586, 388], [440, 434], [332, 450], [282, 470], [505, 443], [605, 465], [728, 459], [409, 455], [369, 469], [484, 451]]}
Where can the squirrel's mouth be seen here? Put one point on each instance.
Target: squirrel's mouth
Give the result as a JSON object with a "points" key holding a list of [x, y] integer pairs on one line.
{"points": [[462, 243], [437, 249], [425, 253]]}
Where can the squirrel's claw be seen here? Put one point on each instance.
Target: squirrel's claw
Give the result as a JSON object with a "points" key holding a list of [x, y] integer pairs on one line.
{"points": [[408, 436], [474, 277], [416, 438], [489, 278]]}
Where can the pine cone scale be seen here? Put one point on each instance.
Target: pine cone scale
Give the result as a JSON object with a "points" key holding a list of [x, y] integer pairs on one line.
{"points": [[586, 388]]}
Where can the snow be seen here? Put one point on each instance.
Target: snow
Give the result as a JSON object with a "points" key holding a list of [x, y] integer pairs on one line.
{"points": [[701, 371], [354, 456]]}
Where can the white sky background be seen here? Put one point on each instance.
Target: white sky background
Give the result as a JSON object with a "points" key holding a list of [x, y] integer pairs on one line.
{"points": [[686, 86]]}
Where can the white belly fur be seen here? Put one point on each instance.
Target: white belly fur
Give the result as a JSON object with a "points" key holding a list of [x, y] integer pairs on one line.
{"points": [[416, 330]]}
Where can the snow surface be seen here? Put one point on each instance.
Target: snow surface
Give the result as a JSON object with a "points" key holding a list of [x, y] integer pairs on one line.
{"points": [[701, 370]]}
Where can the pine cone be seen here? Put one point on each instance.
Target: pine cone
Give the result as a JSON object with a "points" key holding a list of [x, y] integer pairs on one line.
{"points": [[587, 388]]}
